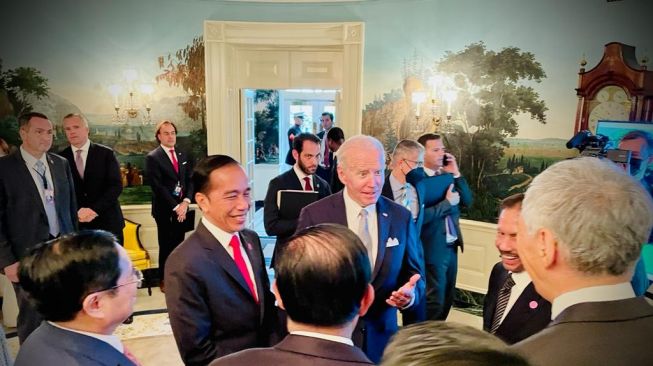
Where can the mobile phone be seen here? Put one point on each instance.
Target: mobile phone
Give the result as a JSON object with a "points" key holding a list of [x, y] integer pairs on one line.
{"points": [[445, 160]]}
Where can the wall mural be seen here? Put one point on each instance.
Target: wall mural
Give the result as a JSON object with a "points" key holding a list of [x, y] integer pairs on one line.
{"points": [[500, 87]]}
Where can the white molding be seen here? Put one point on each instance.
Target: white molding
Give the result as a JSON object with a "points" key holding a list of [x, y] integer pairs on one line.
{"points": [[475, 264]]}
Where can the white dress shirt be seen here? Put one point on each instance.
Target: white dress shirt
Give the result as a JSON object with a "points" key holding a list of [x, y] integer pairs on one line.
{"points": [[353, 210], [620, 291], [522, 280], [301, 175], [111, 339], [327, 337], [84, 149], [398, 190], [224, 238], [30, 161]]}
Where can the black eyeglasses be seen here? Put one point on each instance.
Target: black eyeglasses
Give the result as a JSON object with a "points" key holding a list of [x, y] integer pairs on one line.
{"points": [[418, 164], [138, 275]]}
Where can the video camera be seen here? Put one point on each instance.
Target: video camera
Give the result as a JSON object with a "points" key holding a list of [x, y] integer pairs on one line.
{"points": [[598, 146]]}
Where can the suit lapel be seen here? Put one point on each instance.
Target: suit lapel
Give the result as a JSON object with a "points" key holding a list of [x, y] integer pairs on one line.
{"points": [[338, 205], [26, 176], [255, 260], [166, 162], [383, 223]]}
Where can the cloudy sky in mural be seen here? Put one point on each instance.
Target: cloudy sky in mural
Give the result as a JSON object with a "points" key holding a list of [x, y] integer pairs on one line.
{"points": [[83, 47]]}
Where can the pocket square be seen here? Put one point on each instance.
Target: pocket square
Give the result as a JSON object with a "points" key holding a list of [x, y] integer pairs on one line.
{"points": [[392, 242]]}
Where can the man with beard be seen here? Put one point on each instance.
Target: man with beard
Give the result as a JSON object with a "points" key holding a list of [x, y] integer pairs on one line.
{"points": [[513, 310], [306, 152]]}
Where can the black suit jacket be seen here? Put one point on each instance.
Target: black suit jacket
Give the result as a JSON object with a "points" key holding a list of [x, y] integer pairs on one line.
{"points": [[212, 312], [298, 350], [49, 345], [395, 264], [387, 192], [163, 180], [530, 314], [100, 188], [23, 222], [335, 183]]}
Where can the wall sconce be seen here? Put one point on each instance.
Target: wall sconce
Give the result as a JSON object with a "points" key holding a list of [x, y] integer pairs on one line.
{"points": [[129, 112], [440, 91]]}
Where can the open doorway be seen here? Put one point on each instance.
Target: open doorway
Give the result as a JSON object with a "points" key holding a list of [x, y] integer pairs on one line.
{"points": [[274, 112]]}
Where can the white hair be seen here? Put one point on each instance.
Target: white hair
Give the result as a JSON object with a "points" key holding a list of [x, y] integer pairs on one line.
{"points": [[599, 214], [357, 143]]}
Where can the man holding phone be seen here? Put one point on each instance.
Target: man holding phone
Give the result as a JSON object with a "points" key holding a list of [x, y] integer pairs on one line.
{"points": [[440, 234]]}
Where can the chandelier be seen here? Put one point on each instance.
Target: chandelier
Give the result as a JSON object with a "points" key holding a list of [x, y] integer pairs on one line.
{"points": [[127, 100], [430, 104]]}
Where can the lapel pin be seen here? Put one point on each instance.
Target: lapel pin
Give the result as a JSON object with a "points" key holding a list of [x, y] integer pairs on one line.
{"points": [[249, 246], [533, 304], [384, 214]]}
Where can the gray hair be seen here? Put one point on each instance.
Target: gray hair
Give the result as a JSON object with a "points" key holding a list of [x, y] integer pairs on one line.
{"points": [[404, 147], [351, 145], [599, 214], [445, 343], [78, 115]]}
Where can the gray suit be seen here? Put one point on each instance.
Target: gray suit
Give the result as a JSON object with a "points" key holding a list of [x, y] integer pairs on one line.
{"points": [[23, 221], [595, 333]]}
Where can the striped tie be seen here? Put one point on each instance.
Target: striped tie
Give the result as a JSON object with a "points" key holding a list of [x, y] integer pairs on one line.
{"points": [[502, 302]]}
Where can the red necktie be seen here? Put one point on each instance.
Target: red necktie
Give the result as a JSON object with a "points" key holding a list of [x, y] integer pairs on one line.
{"points": [[240, 263], [307, 184], [325, 162], [175, 163]]}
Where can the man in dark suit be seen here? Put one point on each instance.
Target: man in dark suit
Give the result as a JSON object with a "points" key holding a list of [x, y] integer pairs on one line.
{"points": [[441, 235], [513, 310], [306, 151], [326, 160], [96, 173], [37, 203], [85, 286], [293, 132], [218, 292], [335, 138], [168, 171], [311, 273], [387, 231], [579, 242]]}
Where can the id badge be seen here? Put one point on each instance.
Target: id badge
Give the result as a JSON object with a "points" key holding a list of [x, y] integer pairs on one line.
{"points": [[49, 195], [177, 191]]}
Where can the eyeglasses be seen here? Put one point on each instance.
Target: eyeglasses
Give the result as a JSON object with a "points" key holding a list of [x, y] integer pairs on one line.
{"points": [[138, 275], [418, 164]]}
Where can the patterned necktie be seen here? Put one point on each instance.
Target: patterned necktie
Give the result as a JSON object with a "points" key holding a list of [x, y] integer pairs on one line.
{"points": [[79, 163], [242, 267], [175, 163], [48, 199], [364, 235], [405, 198], [307, 184], [502, 303]]}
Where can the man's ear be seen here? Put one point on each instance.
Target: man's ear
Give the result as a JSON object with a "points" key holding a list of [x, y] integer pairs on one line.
{"points": [[367, 300], [547, 244], [92, 305], [295, 155], [341, 174], [201, 200], [277, 297]]}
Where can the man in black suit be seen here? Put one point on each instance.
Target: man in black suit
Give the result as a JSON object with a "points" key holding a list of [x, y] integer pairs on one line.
{"points": [[37, 203], [311, 273], [96, 173], [326, 161], [293, 132], [441, 235], [335, 138], [168, 171], [85, 286], [388, 233], [218, 292], [513, 310], [306, 152]]}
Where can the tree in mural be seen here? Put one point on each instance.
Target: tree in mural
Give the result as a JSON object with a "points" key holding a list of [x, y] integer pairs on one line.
{"points": [[491, 92], [186, 70], [19, 87]]}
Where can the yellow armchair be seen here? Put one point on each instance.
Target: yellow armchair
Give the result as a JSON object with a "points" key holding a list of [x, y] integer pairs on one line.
{"points": [[138, 255]]}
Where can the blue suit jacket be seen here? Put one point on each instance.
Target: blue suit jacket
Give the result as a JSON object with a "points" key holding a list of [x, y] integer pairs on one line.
{"points": [[49, 345], [393, 267]]}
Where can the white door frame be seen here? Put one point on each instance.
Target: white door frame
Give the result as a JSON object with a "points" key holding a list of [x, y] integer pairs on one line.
{"points": [[223, 40]]}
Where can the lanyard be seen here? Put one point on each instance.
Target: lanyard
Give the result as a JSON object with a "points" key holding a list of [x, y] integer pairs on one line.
{"points": [[43, 179]]}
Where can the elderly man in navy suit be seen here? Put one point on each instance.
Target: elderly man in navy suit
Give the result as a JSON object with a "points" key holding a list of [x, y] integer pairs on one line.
{"points": [[513, 310], [37, 203], [218, 291], [579, 240], [84, 284], [386, 229]]}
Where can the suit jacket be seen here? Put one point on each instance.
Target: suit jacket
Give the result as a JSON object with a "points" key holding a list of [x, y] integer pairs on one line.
{"points": [[212, 312], [49, 345], [275, 225], [100, 187], [522, 321], [433, 233], [335, 183], [163, 180], [393, 267], [387, 192], [23, 222], [595, 333], [298, 350]]}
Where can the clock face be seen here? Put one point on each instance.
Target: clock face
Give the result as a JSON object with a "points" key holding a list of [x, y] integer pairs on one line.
{"points": [[611, 103]]}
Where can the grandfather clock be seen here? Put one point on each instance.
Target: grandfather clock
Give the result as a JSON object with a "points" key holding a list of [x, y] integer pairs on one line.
{"points": [[617, 89]]}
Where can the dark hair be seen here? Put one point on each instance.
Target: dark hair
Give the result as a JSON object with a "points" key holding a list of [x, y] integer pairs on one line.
{"points": [[60, 273], [336, 134], [158, 128], [639, 134], [23, 120], [428, 137], [201, 181], [512, 201], [322, 274], [328, 114], [298, 142]]}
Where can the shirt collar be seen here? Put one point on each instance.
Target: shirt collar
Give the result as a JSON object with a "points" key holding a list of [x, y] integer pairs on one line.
{"points": [[30, 160], [300, 174], [395, 184], [619, 291], [111, 339], [429, 172], [350, 204], [222, 236], [84, 147], [327, 337], [522, 279], [167, 149]]}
